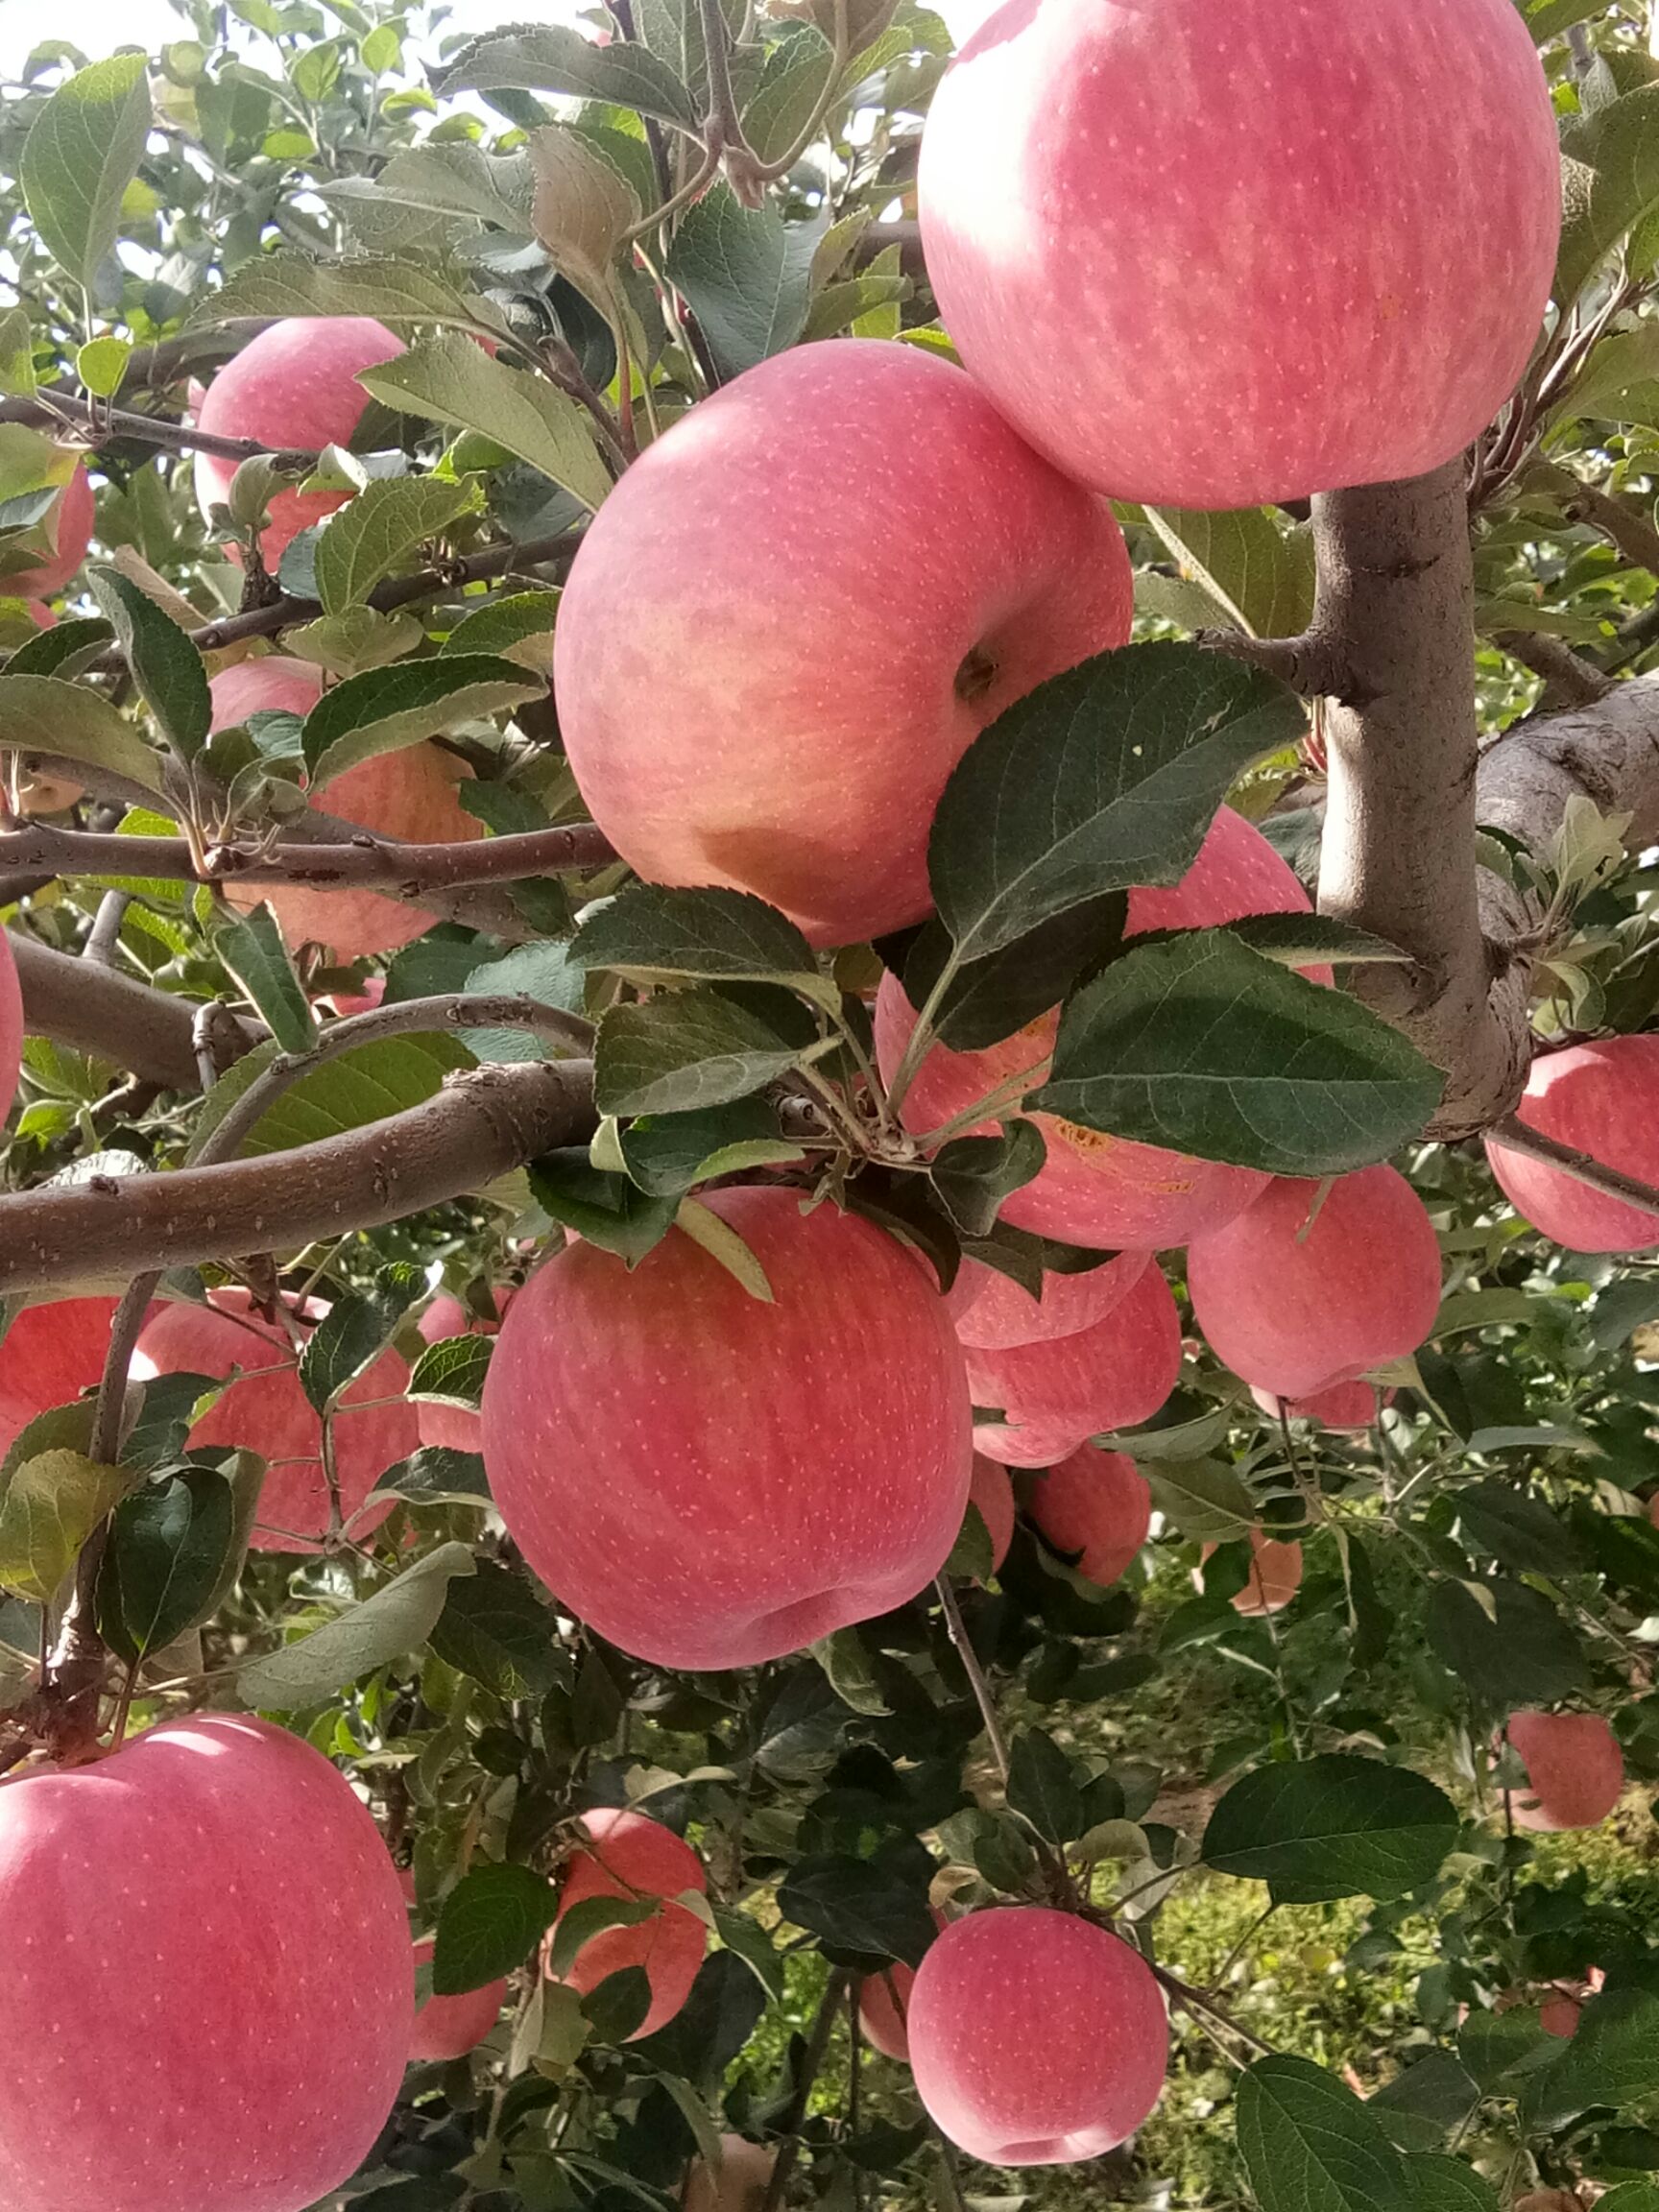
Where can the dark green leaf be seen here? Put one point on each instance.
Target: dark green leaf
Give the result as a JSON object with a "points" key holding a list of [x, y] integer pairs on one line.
{"points": [[609, 1211], [387, 708], [616, 2007], [1516, 1528], [1103, 778], [1522, 1652], [353, 1332], [722, 2013], [683, 1050], [1501, 2048], [1198, 1045], [668, 1153], [974, 1174], [491, 1921], [596, 1703], [166, 1548], [64, 650], [746, 275], [496, 1629], [1427, 2100], [1043, 1788], [46, 714], [989, 1000], [1308, 940], [552, 58], [854, 1906], [1310, 2145], [451, 1372], [1336, 1826], [166, 667], [251, 947], [1439, 2183], [591, 1916], [653, 935], [1613, 2058], [1610, 180], [437, 1475]]}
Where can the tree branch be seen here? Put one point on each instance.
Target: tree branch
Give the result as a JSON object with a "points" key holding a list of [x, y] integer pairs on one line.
{"points": [[1608, 753], [57, 409], [1515, 1136], [99, 1010], [482, 1124], [812, 2064], [1569, 679], [1313, 664]]}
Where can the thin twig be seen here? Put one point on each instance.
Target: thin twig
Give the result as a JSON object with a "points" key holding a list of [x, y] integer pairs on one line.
{"points": [[975, 1674], [1514, 1135], [104, 934], [812, 2061]]}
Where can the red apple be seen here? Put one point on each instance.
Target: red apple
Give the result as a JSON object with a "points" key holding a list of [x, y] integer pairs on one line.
{"points": [[997, 1314], [993, 1493], [293, 387], [1560, 2015], [1344, 1406], [10, 1027], [883, 2010], [741, 2183], [1602, 1099], [455, 1426], [49, 1356], [1315, 1286], [1113, 1376], [1036, 2037], [1096, 1504], [408, 794], [808, 652], [449, 2027], [1338, 283], [625, 1854], [711, 1482], [1574, 1764], [1092, 1189], [1274, 1579], [267, 1411], [206, 1924], [343, 1004], [70, 521]]}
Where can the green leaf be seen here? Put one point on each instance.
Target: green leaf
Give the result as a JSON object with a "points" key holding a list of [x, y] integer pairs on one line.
{"points": [[437, 1475], [51, 1505], [1204, 1498], [165, 664], [370, 1083], [1257, 572], [1502, 2048], [990, 999], [722, 1243], [1103, 778], [491, 1921], [44, 715], [1336, 1826], [746, 275], [371, 534], [101, 363], [973, 1176], [449, 380], [387, 289], [616, 2007], [166, 1549], [353, 1332], [1517, 1529], [551, 57], [64, 650], [496, 1628], [1199, 1045], [667, 1154], [591, 1916], [516, 625], [1043, 1789], [1310, 2145], [1611, 180], [724, 2006], [82, 153], [452, 179], [1613, 2058], [1430, 2099], [650, 935], [784, 103], [858, 1905], [451, 1372], [251, 947], [687, 1049], [1308, 940], [17, 379], [1441, 2184], [587, 201], [396, 1620], [1519, 1653], [387, 708], [607, 1210]]}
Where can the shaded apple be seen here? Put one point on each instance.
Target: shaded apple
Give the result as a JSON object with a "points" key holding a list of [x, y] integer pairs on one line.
{"points": [[740, 2186], [70, 520], [50, 1356], [449, 2027], [1602, 1099], [1315, 1285], [884, 2009], [1275, 1575], [1172, 346], [995, 1314], [625, 1854], [1113, 1376], [1036, 2038], [713, 1481], [209, 1918], [808, 652], [993, 1493], [1573, 1765], [294, 386], [1560, 2015], [408, 794], [1096, 1189], [1344, 1406], [266, 1411], [455, 1426], [1097, 1504]]}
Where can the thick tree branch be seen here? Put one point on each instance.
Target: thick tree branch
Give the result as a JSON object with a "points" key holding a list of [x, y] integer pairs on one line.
{"points": [[1314, 664], [482, 1124], [1608, 753], [98, 1010], [1569, 679], [1396, 600]]}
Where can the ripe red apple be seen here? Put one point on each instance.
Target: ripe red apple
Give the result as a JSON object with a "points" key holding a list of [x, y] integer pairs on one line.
{"points": [[1574, 1764], [808, 653], [1601, 1099], [1560, 2015], [408, 794], [711, 1482], [49, 1356], [1092, 1189], [70, 520], [1377, 350], [267, 1411], [1096, 1504], [1036, 2037], [740, 2186], [293, 387], [10, 1027], [998, 1313], [455, 1426], [449, 2027], [343, 1004], [204, 1923], [1274, 1579], [883, 2010], [993, 1493], [1113, 1376], [1344, 1406], [625, 1854], [1303, 1292]]}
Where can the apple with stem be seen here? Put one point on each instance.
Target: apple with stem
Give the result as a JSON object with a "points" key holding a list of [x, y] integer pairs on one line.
{"points": [[208, 1989], [1163, 346], [1599, 1099], [808, 654], [625, 1854], [709, 1481]]}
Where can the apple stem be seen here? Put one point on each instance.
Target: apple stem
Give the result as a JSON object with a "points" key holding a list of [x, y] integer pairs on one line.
{"points": [[974, 1672]]}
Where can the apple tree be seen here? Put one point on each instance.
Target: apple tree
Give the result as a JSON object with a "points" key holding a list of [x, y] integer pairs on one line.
{"points": [[829, 1066]]}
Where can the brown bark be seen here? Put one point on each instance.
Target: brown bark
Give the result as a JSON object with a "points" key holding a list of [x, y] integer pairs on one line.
{"points": [[96, 1009]]}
